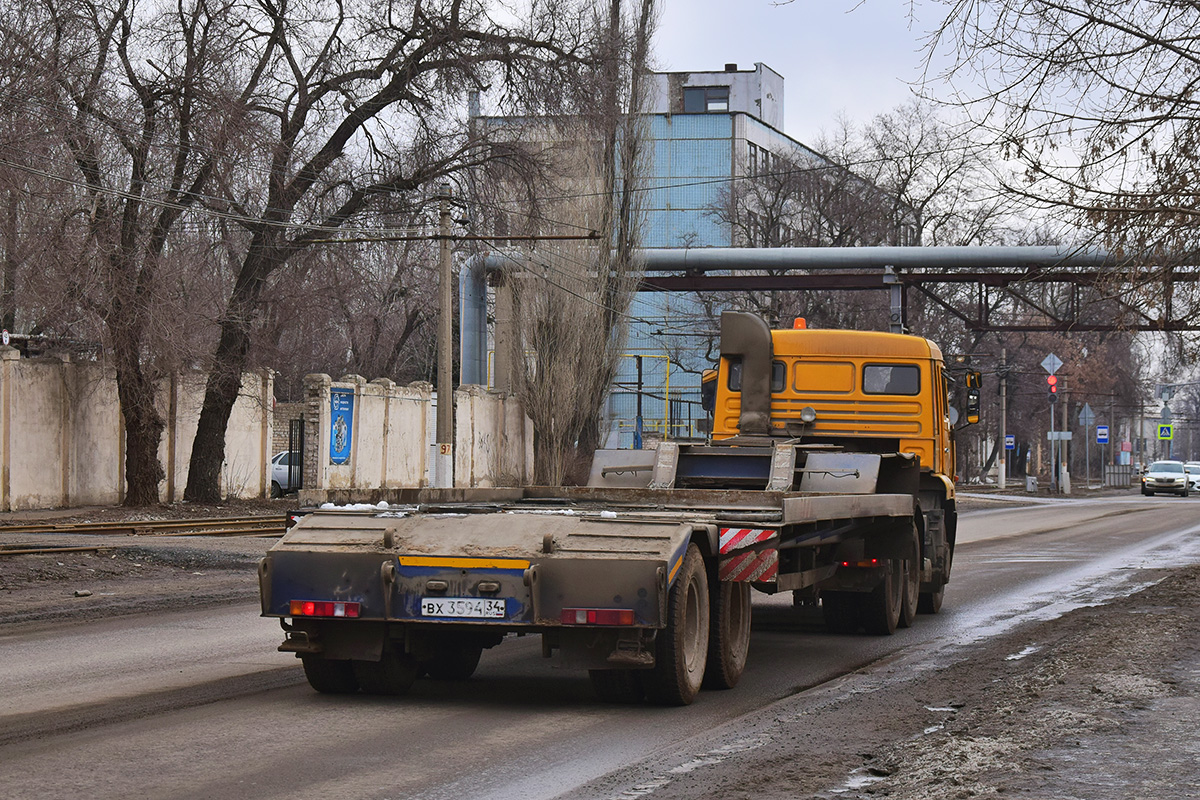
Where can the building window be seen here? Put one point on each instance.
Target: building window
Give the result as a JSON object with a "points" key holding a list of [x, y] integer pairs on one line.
{"points": [[703, 99]]}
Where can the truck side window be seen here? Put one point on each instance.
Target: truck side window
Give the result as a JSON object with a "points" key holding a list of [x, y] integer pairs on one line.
{"points": [[735, 375], [891, 379]]}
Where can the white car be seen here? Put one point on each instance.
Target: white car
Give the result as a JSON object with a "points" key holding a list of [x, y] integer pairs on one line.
{"points": [[1193, 470], [281, 473], [1166, 476]]}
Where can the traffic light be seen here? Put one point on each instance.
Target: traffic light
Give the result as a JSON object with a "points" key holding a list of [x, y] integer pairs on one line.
{"points": [[1052, 389], [973, 383]]}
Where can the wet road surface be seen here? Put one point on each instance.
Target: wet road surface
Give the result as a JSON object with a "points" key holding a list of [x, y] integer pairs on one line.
{"points": [[200, 705]]}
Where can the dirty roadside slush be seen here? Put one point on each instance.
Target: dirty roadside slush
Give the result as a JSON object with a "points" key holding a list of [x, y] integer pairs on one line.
{"points": [[1100, 704]]}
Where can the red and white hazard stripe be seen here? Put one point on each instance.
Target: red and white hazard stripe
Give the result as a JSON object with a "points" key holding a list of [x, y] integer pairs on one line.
{"points": [[753, 566], [739, 538]]}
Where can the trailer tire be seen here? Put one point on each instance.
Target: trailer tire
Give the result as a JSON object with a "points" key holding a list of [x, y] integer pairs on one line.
{"points": [[910, 599], [453, 661], [931, 602], [681, 648], [880, 611], [729, 634], [840, 610], [393, 674], [329, 676], [617, 685]]}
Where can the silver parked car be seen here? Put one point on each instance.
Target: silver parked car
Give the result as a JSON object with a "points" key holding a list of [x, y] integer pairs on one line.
{"points": [[282, 479], [1166, 476]]}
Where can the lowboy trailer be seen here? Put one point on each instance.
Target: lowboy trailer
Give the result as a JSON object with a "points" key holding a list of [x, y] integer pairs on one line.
{"points": [[825, 475]]}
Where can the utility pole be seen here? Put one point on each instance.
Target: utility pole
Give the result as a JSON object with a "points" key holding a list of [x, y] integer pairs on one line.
{"points": [[1002, 478], [443, 472]]}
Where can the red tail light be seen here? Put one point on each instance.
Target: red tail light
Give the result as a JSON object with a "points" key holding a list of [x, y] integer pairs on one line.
{"points": [[874, 562], [597, 616], [323, 608]]}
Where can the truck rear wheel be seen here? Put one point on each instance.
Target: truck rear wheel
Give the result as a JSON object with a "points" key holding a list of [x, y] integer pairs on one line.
{"points": [[881, 608], [392, 674], [681, 649], [329, 676], [617, 685], [729, 636], [453, 660]]}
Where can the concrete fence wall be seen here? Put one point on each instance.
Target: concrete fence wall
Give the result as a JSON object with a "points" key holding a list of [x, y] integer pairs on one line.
{"points": [[62, 435], [391, 434]]}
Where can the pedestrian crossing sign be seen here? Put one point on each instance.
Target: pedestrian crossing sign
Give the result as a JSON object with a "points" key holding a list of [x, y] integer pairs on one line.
{"points": [[1164, 432]]}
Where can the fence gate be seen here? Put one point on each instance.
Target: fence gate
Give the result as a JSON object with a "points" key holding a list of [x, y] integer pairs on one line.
{"points": [[296, 454]]}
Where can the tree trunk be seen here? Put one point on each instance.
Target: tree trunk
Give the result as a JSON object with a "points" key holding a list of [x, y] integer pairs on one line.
{"points": [[143, 424], [224, 383]]}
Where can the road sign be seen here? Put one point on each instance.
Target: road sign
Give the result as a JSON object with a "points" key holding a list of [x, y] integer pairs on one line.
{"points": [[1101, 434], [1059, 436], [1165, 432], [1051, 363], [1010, 442], [1087, 417], [1165, 415]]}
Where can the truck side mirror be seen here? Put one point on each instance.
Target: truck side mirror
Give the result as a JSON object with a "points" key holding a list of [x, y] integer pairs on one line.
{"points": [[972, 406]]}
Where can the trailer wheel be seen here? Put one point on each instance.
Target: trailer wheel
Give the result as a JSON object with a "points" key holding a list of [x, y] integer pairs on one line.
{"points": [[881, 608], [617, 685], [453, 660], [729, 634], [931, 602], [840, 610], [681, 649], [329, 676], [392, 674], [910, 600]]}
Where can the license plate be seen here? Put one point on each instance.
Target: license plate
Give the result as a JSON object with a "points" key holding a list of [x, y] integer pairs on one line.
{"points": [[463, 607]]}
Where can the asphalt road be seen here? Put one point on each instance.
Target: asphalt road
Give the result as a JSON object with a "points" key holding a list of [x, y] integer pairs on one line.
{"points": [[199, 704]]}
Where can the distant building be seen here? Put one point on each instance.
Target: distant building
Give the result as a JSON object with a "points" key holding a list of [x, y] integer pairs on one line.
{"points": [[710, 132]]}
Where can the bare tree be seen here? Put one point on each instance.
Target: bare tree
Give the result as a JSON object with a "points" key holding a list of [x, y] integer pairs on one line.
{"points": [[571, 304], [1097, 102], [131, 110], [363, 104]]}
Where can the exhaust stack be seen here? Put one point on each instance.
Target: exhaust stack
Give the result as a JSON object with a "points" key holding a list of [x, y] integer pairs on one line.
{"points": [[747, 337]]}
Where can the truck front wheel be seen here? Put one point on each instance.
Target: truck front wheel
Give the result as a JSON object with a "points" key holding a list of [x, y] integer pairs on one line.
{"points": [[910, 598], [729, 638], [881, 608], [681, 649], [329, 676]]}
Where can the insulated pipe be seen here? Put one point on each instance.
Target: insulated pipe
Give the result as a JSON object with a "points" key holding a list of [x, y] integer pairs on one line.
{"points": [[841, 258], [472, 299], [473, 275]]}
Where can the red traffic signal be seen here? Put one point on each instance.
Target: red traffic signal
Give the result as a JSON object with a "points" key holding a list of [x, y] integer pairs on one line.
{"points": [[1052, 388]]}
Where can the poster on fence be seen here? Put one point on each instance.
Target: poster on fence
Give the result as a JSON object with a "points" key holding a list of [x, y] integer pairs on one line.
{"points": [[341, 428]]}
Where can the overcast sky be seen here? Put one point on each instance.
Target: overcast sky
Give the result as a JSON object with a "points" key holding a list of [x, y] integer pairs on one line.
{"points": [[851, 56]]}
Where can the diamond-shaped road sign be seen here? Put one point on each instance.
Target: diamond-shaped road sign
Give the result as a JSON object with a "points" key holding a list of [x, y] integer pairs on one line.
{"points": [[1051, 363], [1087, 417]]}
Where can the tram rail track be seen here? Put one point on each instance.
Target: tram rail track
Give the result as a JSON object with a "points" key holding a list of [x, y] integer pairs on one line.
{"points": [[263, 526]]}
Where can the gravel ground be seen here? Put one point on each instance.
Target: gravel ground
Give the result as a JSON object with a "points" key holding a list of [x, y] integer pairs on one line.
{"points": [[127, 574]]}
